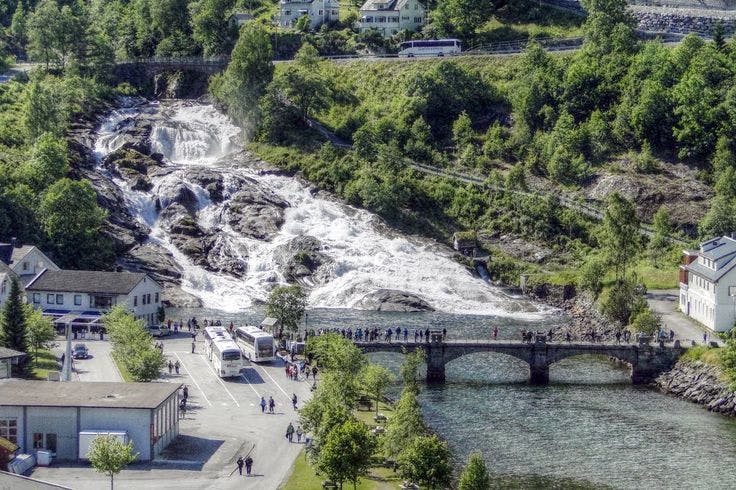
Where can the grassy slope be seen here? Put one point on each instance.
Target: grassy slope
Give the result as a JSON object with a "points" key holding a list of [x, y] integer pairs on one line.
{"points": [[44, 363]]}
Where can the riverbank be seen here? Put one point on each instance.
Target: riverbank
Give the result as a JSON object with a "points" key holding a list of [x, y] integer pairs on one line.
{"points": [[703, 383]]}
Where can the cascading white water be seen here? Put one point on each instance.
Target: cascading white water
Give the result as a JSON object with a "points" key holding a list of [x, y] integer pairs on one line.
{"points": [[364, 256]]}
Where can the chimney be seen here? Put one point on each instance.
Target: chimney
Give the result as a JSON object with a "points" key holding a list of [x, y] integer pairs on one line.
{"points": [[15, 242]]}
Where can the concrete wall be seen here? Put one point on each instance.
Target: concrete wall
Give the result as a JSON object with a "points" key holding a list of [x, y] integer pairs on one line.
{"points": [[136, 422], [166, 423], [54, 420]]}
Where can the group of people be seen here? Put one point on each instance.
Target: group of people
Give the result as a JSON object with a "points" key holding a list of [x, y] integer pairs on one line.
{"points": [[183, 400], [290, 431], [378, 334], [174, 366]]}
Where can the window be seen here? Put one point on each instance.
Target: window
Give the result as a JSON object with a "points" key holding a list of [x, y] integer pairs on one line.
{"points": [[37, 440], [417, 20], [135, 300], [148, 298], [321, 12], [50, 299], [77, 300], [155, 298], [9, 430], [36, 298], [59, 299], [25, 266]]}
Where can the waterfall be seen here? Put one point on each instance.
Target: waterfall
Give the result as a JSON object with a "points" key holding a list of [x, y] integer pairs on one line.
{"points": [[364, 254]]}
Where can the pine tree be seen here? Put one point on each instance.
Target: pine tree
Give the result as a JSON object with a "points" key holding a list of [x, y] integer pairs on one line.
{"points": [[13, 320]]}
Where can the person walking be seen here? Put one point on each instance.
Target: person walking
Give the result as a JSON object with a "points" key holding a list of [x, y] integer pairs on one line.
{"points": [[171, 366], [299, 433], [705, 337], [176, 367], [263, 405], [495, 332], [290, 432], [314, 373], [293, 400], [240, 463], [248, 465], [185, 392], [271, 404]]}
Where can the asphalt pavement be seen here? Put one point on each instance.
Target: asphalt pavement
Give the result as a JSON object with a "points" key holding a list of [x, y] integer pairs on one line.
{"points": [[223, 421], [665, 303]]}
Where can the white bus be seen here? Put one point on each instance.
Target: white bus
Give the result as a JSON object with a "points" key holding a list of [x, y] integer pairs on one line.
{"points": [[430, 47], [223, 352], [257, 345]]}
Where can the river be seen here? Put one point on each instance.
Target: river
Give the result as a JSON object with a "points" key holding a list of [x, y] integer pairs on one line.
{"points": [[588, 429]]}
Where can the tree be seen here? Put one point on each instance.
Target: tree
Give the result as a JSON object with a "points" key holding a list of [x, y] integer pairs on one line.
{"points": [[409, 370], [426, 460], [55, 34], [49, 162], [720, 219], [462, 131], [619, 234], [41, 332], [609, 25], [110, 456], [591, 275], [475, 475], [303, 84], [247, 75], [406, 423], [132, 345], [287, 305], [336, 353], [464, 16], [346, 453], [622, 301], [13, 320], [212, 27], [662, 230], [71, 218], [42, 112], [645, 321], [376, 379], [19, 25]]}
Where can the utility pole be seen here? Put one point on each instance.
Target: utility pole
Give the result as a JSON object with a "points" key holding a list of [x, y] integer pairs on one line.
{"points": [[66, 370]]}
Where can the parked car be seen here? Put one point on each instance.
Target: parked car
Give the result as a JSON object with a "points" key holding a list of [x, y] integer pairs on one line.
{"points": [[80, 351], [159, 330]]}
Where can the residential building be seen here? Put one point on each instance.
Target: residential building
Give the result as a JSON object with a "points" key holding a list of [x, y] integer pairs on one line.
{"points": [[390, 17], [25, 260], [79, 298], [318, 11], [53, 416], [242, 18], [8, 357], [708, 283], [6, 278]]}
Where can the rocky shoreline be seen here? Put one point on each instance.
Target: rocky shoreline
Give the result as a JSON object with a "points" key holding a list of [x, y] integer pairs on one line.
{"points": [[699, 383]]}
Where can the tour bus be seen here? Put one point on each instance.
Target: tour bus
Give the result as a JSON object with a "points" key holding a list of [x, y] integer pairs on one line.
{"points": [[256, 344], [430, 47], [223, 352]]}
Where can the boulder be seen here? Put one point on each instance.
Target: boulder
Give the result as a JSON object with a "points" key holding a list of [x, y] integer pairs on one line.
{"points": [[153, 260], [301, 260], [173, 191], [393, 300], [176, 297], [255, 212], [210, 180]]}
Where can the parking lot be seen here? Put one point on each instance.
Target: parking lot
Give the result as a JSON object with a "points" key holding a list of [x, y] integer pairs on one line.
{"points": [[223, 421]]}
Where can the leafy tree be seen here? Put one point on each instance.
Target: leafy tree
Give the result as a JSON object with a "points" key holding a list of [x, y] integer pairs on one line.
{"points": [[336, 353], [346, 453], [212, 27], [132, 345], [718, 35], [110, 456], [645, 322], [19, 25], [42, 112], [41, 332], [660, 240], [591, 275], [376, 379], [330, 407], [723, 158], [644, 161], [48, 163], [409, 370], [475, 475], [287, 304], [303, 84], [426, 460], [55, 34], [464, 16], [609, 25], [406, 424], [622, 301], [13, 320], [462, 131], [494, 146], [619, 234], [720, 219]]}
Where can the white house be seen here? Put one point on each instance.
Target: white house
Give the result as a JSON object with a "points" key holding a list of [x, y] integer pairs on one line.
{"points": [[25, 260], [79, 298], [6, 278], [389, 17], [708, 283], [318, 11]]}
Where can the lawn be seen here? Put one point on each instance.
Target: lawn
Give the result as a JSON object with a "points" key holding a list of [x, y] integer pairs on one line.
{"points": [[664, 277], [44, 363]]}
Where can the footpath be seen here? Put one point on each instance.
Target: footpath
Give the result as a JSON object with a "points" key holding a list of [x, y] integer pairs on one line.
{"points": [[664, 302]]}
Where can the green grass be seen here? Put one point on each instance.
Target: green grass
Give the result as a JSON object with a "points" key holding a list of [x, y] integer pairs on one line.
{"points": [[366, 416], [44, 363], [664, 277], [127, 377], [702, 353]]}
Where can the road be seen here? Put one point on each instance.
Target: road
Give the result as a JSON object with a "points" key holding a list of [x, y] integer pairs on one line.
{"points": [[16, 70], [665, 304], [224, 421]]}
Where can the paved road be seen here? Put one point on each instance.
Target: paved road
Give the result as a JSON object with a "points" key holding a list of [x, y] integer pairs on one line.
{"points": [[97, 367], [665, 304], [16, 70], [224, 421]]}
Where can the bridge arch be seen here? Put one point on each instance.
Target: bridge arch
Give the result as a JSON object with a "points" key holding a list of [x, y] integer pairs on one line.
{"points": [[489, 366]]}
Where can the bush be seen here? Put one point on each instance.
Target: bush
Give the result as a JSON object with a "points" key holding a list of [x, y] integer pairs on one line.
{"points": [[591, 276], [645, 321]]}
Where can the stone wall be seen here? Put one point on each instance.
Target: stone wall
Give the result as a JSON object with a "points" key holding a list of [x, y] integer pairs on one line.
{"points": [[699, 383], [684, 20]]}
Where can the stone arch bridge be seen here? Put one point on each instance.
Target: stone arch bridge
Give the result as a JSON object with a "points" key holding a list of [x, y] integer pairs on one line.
{"points": [[149, 67], [646, 361]]}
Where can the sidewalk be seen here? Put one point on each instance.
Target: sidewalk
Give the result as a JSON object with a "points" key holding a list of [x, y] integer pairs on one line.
{"points": [[664, 303]]}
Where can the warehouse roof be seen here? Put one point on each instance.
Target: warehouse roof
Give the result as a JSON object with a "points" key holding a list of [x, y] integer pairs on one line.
{"points": [[86, 281], [17, 392], [6, 353]]}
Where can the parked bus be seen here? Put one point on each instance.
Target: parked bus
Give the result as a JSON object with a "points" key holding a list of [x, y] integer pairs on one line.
{"points": [[223, 352], [257, 345], [430, 47]]}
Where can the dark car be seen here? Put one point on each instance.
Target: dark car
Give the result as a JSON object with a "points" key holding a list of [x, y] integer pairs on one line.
{"points": [[80, 351]]}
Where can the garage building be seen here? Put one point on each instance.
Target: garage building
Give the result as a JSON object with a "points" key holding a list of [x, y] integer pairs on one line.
{"points": [[50, 415]]}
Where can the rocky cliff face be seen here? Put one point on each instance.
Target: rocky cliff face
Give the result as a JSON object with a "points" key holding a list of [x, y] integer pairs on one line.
{"points": [[699, 383]]}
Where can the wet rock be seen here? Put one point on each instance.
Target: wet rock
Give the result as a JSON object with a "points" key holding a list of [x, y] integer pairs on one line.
{"points": [[255, 212], [153, 260], [393, 300], [699, 383], [223, 257], [210, 180], [177, 220], [176, 297], [176, 193], [301, 260]]}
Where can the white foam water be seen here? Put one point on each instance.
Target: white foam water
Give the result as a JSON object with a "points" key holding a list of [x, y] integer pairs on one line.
{"points": [[365, 254]]}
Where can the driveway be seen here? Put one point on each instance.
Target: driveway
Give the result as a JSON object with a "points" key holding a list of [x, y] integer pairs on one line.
{"points": [[665, 303]]}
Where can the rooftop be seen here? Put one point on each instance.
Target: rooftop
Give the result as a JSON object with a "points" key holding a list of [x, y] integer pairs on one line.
{"points": [[86, 281], [9, 353], [17, 392], [11, 254]]}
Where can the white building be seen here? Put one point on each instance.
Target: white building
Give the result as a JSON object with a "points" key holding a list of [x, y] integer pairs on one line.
{"points": [[48, 415], [25, 260], [318, 11], [708, 284], [390, 17], [79, 298], [6, 278]]}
